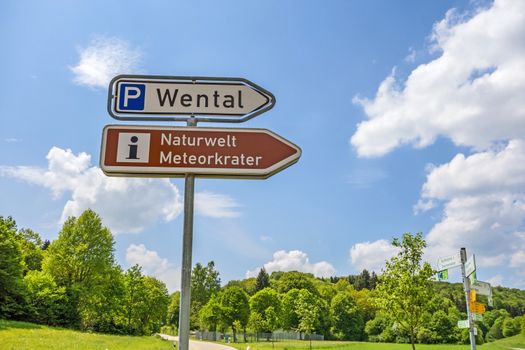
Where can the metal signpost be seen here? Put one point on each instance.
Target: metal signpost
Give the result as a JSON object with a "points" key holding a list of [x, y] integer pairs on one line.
{"points": [[160, 151], [466, 286], [471, 286]]}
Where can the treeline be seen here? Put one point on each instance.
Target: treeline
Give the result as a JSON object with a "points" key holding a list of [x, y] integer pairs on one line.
{"points": [[75, 282], [343, 308]]}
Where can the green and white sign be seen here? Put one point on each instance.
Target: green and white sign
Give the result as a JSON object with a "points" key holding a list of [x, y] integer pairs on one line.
{"points": [[463, 324], [472, 278], [477, 317], [470, 265], [442, 275]]}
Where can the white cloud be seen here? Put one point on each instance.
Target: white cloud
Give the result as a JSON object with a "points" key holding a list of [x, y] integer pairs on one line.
{"points": [[518, 259], [216, 205], [125, 204], [153, 265], [12, 140], [490, 172], [104, 59], [411, 57], [484, 205], [371, 255], [295, 260], [473, 93]]}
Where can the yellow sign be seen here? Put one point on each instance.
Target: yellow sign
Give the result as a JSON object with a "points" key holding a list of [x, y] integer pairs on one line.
{"points": [[472, 297], [477, 308]]}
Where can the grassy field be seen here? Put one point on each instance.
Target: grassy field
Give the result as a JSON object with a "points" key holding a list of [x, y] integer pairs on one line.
{"points": [[504, 344], [29, 336]]}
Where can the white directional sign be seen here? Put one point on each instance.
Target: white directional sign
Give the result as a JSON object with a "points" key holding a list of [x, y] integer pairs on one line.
{"points": [[449, 262], [482, 288], [131, 97], [470, 265]]}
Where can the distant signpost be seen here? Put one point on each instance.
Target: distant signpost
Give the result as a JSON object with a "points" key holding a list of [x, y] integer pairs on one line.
{"points": [[471, 287]]}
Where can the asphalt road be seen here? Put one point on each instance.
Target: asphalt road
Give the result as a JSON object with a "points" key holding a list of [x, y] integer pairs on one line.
{"points": [[199, 345]]}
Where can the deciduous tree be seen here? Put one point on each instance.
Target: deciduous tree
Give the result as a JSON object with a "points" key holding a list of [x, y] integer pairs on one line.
{"points": [[347, 318], [405, 288], [235, 309], [12, 291], [81, 259], [205, 282]]}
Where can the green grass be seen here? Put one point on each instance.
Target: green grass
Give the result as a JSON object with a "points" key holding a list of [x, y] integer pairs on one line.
{"points": [[22, 336], [503, 344], [517, 342], [29, 336]]}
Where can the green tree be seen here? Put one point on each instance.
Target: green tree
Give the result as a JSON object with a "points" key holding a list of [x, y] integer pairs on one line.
{"points": [[297, 280], [205, 282], [290, 318], [31, 248], [443, 328], [496, 331], [308, 313], [405, 289], [46, 300], [511, 326], [133, 302], [12, 289], [211, 313], [256, 323], [310, 309], [174, 309], [379, 329], [248, 285], [267, 304], [262, 281], [81, 259], [156, 299], [363, 280], [235, 307], [347, 318]]}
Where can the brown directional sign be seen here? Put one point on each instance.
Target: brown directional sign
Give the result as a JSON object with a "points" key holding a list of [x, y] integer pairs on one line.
{"points": [[160, 151]]}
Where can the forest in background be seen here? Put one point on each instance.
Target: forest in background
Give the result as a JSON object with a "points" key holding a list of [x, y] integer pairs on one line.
{"points": [[75, 282]]}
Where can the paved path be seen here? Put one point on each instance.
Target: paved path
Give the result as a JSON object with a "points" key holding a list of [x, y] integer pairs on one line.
{"points": [[198, 345]]}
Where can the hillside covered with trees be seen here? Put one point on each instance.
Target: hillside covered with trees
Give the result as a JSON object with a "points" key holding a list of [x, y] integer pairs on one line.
{"points": [[75, 282]]}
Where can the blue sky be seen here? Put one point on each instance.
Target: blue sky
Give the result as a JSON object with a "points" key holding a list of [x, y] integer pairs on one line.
{"points": [[410, 116]]}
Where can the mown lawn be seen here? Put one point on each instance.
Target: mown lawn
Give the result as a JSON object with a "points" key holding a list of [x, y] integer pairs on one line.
{"points": [[504, 344], [29, 336]]}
